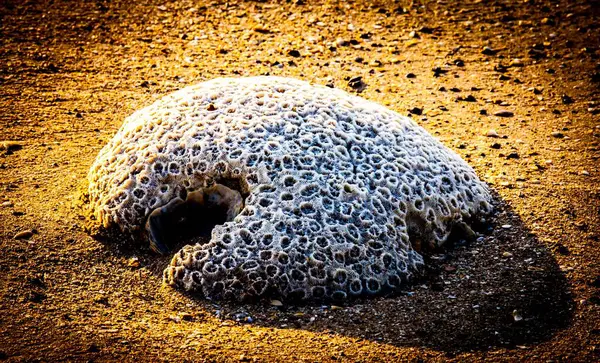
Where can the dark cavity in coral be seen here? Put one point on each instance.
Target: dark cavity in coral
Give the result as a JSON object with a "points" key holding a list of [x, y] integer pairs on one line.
{"points": [[195, 214]]}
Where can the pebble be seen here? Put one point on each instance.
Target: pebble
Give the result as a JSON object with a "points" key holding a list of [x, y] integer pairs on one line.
{"points": [[488, 51], [506, 226], [357, 83], [558, 135], [412, 42], [566, 100], [469, 98], [133, 262], [503, 113], [416, 111], [7, 204], [585, 172], [411, 75], [517, 316], [535, 91], [516, 63], [492, 133], [294, 53], [414, 34], [276, 303], [10, 145], [437, 71], [24, 234], [507, 254], [187, 317]]}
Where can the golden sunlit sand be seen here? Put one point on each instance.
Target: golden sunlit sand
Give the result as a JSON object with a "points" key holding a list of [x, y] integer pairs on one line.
{"points": [[512, 87]]}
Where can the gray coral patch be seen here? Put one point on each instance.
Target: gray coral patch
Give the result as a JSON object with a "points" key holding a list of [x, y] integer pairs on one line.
{"points": [[334, 185]]}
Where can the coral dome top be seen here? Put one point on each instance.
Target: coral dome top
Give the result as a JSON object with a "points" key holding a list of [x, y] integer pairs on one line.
{"points": [[325, 193]]}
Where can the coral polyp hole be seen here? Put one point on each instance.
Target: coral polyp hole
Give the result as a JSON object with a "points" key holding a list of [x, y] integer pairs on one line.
{"points": [[196, 216]]}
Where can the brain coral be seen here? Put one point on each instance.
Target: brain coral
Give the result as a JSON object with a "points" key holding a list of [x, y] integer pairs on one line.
{"points": [[313, 193]]}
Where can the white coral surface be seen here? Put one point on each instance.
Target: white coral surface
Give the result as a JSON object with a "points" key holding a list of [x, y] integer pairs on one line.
{"points": [[334, 187]]}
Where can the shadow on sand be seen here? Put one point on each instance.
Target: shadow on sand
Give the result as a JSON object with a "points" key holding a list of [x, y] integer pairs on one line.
{"points": [[503, 290]]}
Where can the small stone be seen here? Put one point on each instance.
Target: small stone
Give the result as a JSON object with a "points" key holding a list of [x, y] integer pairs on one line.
{"points": [[503, 113], [341, 42], [276, 303], [175, 318], [566, 99], [416, 111], [517, 316], [414, 34], [211, 107], [459, 63], [492, 133], [187, 317], [585, 172], [495, 146], [24, 234], [412, 42], [7, 204], [9, 146], [512, 155], [357, 83], [488, 51], [437, 71], [547, 21], [449, 268], [294, 53], [483, 112], [506, 226], [507, 254], [411, 75], [335, 307], [557, 134], [133, 262], [261, 30], [516, 63]]}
